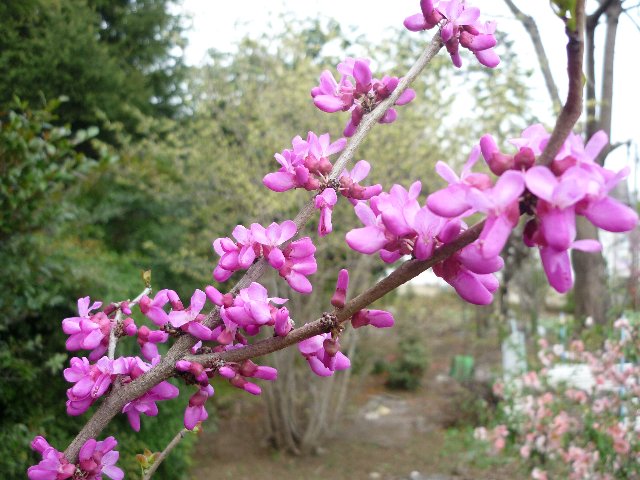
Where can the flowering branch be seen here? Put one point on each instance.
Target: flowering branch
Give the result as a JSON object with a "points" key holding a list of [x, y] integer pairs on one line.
{"points": [[118, 398], [405, 272]]}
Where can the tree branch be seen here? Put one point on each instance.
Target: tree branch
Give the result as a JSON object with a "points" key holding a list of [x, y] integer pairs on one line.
{"points": [[405, 272], [160, 458], [119, 397], [113, 337], [573, 106], [531, 27]]}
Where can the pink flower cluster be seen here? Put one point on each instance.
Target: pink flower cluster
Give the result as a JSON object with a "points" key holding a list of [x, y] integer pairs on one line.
{"points": [[248, 311], [573, 185], [93, 381], [322, 352], [294, 262], [236, 373], [307, 166], [95, 458], [358, 92], [187, 320], [90, 331], [396, 225], [460, 26]]}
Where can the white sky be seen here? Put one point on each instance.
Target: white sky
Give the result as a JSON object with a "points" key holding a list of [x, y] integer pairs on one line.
{"points": [[218, 24]]}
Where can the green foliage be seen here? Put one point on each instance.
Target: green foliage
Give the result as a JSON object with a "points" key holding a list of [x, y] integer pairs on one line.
{"points": [[110, 58], [408, 368]]}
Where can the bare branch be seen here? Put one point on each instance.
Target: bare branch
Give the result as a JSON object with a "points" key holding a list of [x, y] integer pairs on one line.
{"points": [[113, 337], [160, 458], [532, 29]]}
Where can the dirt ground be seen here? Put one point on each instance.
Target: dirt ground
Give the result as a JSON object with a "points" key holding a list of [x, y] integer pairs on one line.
{"points": [[386, 435]]}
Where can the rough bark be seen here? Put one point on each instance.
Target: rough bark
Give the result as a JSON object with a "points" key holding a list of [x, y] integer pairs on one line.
{"points": [[590, 291]]}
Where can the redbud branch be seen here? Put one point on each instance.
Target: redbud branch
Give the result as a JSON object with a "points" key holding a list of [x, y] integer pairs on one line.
{"points": [[167, 450], [572, 108], [119, 397], [405, 272], [113, 338]]}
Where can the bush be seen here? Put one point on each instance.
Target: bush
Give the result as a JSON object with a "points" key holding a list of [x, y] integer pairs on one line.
{"points": [[406, 372]]}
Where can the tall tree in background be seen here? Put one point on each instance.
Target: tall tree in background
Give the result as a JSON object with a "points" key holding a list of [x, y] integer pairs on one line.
{"points": [[590, 290], [112, 59]]}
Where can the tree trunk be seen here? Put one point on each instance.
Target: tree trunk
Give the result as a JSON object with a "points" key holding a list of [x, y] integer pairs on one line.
{"points": [[590, 290]]}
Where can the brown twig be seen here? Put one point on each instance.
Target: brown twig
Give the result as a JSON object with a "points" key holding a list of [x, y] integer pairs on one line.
{"points": [[572, 108], [172, 444]]}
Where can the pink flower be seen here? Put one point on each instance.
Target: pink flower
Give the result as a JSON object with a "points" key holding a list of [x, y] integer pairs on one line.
{"points": [[461, 27], [97, 458], [147, 339], [88, 332], [154, 310], [146, 404], [557, 264], [501, 204], [325, 202], [452, 201], [299, 262], [323, 355], [349, 183], [195, 411], [331, 96], [538, 474], [340, 295], [53, 466], [190, 320], [91, 381], [238, 373], [234, 255]]}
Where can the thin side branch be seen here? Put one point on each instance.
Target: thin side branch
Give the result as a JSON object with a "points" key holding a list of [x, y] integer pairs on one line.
{"points": [[160, 458], [531, 27], [119, 397], [573, 107], [113, 336]]}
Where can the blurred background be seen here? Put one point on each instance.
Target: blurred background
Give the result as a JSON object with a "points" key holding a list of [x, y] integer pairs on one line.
{"points": [[135, 132]]}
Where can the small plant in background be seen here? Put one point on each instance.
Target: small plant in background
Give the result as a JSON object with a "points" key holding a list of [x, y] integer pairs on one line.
{"points": [[578, 415], [408, 369]]}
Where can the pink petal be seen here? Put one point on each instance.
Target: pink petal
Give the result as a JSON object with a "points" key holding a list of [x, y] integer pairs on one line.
{"points": [[509, 187], [415, 23], [279, 181], [449, 202], [541, 182], [362, 73], [557, 267], [328, 103], [407, 96], [611, 215], [366, 240], [488, 58], [276, 258]]}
